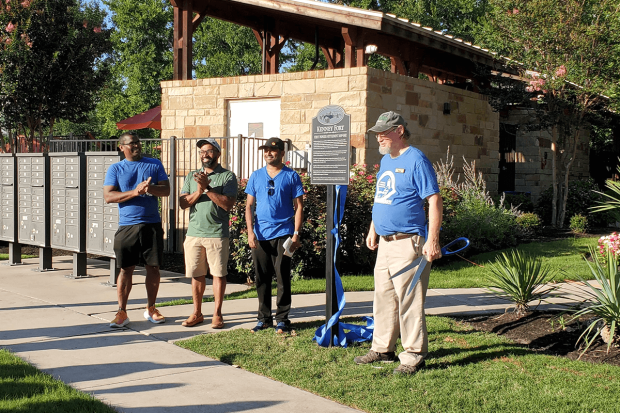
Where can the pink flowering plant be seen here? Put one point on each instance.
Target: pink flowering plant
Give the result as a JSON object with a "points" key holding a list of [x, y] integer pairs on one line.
{"points": [[608, 243]]}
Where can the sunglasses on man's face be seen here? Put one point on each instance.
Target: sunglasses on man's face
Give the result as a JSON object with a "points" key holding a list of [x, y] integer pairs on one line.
{"points": [[271, 188]]}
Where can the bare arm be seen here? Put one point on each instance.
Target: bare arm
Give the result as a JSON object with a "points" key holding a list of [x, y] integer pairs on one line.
{"points": [[431, 249], [249, 221], [112, 195], [371, 238], [161, 189], [299, 220]]}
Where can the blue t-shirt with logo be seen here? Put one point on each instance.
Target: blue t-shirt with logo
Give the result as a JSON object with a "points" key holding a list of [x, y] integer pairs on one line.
{"points": [[274, 215], [125, 176], [402, 185]]}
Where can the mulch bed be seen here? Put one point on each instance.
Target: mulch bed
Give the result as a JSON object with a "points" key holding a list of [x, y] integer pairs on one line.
{"points": [[551, 333]]}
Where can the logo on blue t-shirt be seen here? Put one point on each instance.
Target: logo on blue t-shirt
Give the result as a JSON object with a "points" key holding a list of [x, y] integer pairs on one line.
{"points": [[386, 188]]}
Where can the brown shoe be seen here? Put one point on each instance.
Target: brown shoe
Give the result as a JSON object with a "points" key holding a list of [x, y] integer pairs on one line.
{"points": [[406, 369], [217, 322], [193, 320]]}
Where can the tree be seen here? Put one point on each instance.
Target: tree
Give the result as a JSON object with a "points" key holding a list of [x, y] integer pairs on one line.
{"points": [[142, 58], [52, 64], [567, 54]]}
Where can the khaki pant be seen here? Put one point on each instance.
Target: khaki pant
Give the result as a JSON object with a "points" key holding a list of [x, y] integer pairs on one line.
{"points": [[394, 311]]}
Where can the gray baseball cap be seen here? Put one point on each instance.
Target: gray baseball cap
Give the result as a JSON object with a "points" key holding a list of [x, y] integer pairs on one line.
{"points": [[387, 121], [211, 142]]}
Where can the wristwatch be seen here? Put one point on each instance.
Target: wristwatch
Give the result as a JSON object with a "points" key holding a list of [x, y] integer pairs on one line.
{"points": [[207, 189], [295, 232]]}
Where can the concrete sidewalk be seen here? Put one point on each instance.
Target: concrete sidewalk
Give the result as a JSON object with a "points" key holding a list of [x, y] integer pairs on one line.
{"points": [[60, 325]]}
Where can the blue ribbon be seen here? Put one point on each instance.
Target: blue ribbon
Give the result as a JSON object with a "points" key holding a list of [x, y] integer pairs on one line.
{"points": [[355, 333]]}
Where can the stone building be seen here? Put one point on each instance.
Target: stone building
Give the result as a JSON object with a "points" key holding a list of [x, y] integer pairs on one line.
{"points": [[441, 114]]}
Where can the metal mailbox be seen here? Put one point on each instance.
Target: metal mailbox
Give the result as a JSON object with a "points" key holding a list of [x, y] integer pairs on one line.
{"points": [[34, 199], [68, 196], [102, 220], [9, 197]]}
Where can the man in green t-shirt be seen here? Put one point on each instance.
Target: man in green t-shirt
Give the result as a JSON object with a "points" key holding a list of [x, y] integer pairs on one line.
{"points": [[210, 193]]}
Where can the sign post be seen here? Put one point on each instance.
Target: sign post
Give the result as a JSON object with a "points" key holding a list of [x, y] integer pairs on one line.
{"points": [[331, 154]]}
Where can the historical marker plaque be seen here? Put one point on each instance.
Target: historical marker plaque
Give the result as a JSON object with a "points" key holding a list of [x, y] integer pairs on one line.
{"points": [[331, 147]]}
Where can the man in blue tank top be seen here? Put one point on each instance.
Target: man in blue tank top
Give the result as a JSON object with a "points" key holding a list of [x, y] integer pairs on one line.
{"points": [[405, 180], [134, 184]]}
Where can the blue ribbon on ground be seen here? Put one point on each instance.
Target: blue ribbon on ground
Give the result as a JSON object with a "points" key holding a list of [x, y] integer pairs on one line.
{"points": [[354, 332]]}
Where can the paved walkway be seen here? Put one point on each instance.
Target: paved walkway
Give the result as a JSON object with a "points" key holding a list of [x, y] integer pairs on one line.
{"points": [[60, 325]]}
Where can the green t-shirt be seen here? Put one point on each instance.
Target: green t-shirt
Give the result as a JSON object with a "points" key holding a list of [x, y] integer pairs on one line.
{"points": [[206, 219]]}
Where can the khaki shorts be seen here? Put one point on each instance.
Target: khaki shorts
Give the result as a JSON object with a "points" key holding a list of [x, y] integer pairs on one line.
{"points": [[206, 255]]}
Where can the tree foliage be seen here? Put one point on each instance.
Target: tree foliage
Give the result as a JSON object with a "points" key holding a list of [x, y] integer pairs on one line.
{"points": [[52, 64], [568, 57]]}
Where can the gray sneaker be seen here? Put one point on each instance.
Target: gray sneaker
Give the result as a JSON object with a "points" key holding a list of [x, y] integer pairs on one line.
{"points": [[372, 356], [406, 369]]}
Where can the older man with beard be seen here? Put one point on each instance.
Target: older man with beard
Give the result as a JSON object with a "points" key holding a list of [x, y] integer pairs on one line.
{"points": [[405, 180], [278, 193], [210, 193]]}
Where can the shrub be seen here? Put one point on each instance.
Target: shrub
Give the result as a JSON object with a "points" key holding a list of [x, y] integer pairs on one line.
{"points": [[487, 227], [605, 300], [519, 278], [471, 212], [521, 201], [581, 198], [528, 224], [578, 224]]}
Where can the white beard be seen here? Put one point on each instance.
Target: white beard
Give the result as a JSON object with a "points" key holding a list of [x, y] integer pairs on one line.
{"points": [[384, 150]]}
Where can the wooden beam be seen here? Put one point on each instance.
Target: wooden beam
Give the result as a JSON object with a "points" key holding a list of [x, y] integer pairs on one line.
{"points": [[199, 17], [176, 41], [348, 34], [186, 60], [259, 37], [328, 57], [398, 66], [360, 56], [174, 3]]}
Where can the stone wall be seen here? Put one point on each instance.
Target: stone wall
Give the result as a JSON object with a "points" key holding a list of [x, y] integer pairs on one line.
{"points": [[198, 108], [533, 168]]}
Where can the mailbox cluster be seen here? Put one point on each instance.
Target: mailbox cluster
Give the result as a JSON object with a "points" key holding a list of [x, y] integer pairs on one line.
{"points": [[102, 219], [57, 201], [9, 198]]}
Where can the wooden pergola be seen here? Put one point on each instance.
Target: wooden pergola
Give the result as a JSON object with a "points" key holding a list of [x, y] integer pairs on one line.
{"points": [[345, 35]]}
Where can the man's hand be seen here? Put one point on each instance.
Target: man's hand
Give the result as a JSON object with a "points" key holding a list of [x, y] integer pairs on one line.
{"points": [[252, 240], [143, 187], [202, 180], [431, 250], [371, 239], [296, 243]]}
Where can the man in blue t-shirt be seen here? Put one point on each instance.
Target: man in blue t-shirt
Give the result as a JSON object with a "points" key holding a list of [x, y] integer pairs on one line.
{"points": [[277, 193], [134, 184], [405, 180]]}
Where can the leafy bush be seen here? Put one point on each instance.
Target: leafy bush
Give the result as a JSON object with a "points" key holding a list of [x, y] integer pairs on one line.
{"points": [[529, 224], [470, 212], [578, 224], [521, 201], [486, 226], [519, 278], [605, 300], [581, 200]]}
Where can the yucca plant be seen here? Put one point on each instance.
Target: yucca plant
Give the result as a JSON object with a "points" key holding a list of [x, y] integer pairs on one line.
{"points": [[520, 278], [613, 197], [605, 300]]}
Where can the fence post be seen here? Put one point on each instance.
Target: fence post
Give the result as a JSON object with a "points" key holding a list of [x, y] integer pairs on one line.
{"points": [[172, 200], [240, 157]]}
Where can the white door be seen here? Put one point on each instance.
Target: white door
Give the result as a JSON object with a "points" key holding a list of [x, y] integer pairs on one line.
{"points": [[252, 118]]}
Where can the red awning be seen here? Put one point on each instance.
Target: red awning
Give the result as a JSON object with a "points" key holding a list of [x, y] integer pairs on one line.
{"points": [[149, 119]]}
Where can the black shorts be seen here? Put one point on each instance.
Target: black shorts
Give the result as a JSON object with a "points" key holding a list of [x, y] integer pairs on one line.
{"points": [[139, 244]]}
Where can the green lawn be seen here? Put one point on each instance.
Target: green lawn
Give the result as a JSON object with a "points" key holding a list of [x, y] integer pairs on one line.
{"points": [[564, 256], [467, 371], [6, 256], [23, 388]]}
